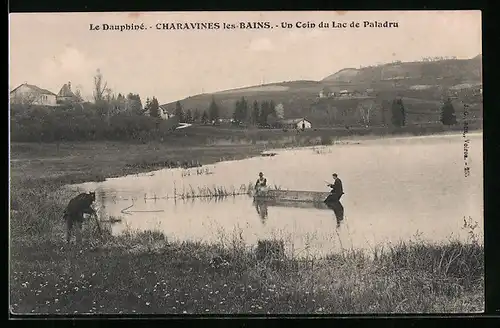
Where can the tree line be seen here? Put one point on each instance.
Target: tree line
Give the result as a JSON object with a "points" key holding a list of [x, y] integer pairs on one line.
{"points": [[108, 117], [256, 113], [398, 117]]}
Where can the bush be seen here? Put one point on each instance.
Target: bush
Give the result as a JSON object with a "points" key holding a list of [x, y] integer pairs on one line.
{"points": [[82, 123]]}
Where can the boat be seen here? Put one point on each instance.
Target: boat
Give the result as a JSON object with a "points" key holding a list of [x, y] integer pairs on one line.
{"points": [[289, 203], [295, 196]]}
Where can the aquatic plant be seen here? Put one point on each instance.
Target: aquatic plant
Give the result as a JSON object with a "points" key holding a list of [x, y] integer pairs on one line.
{"points": [[209, 192], [198, 171]]}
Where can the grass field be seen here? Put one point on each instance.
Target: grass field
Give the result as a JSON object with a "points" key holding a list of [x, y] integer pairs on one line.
{"points": [[146, 273]]}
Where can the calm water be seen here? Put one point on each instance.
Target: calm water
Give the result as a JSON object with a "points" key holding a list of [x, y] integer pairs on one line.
{"points": [[395, 189]]}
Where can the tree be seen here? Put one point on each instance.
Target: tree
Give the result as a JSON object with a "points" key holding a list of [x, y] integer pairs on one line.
{"points": [[266, 109], [263, 113], [102, 96], [382, 111], [120, 103], [196, 116], [243, 110], [26, 99], [99, 87], [398, 113], [272, 108], [254, 118], [213, 111], [147, 105], [236, 111], [272, 117], [188, 117], [134, 104], [78, 95], [240, 111], [403, 112], [179, 112], [280, 111], [204, 117], [448, 116], [365, 109], [154, 108]]}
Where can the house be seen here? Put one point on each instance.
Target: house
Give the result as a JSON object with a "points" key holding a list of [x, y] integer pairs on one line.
{"points": [[297, 123], [345, 93], [165, 113], [66, 95], [325, 93], [29, 94]]}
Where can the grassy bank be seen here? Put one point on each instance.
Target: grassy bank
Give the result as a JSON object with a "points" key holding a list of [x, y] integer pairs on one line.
{"points": [[77, 162], [146, 273]]}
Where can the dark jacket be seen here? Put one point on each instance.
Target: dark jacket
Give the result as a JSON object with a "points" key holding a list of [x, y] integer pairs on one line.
{"points": [[337, 189], [261, 183]]}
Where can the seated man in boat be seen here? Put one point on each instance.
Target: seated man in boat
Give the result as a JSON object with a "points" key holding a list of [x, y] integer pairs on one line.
{"points": [[333, 200], [261, 183]]}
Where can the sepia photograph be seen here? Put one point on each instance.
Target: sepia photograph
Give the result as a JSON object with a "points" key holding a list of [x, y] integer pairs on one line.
{"points": [[252, 163]]}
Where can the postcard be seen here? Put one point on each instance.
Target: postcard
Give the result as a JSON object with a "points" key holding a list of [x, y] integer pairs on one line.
{"points": [[257, 163]]}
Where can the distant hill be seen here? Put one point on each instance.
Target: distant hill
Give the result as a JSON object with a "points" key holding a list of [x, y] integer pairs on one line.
{"points": [[418, 80], [463, 69]]}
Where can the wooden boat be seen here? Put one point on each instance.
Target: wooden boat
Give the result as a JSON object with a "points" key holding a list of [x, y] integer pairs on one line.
{"points": [[290, 196], [288, 203]]}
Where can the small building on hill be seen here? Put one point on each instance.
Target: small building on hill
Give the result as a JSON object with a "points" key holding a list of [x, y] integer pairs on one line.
{"points": [[66, 95], [345, 93], [326, 92], [29, 94], [165, 113], [296, 123]]}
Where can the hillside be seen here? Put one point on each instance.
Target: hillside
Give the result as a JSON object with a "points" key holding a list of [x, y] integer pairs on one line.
{"points": [[427, 81], [450, 69]]}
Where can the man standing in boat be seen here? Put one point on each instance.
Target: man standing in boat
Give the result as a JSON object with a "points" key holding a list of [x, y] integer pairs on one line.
{"points": [[261, 182], [333, 200]]}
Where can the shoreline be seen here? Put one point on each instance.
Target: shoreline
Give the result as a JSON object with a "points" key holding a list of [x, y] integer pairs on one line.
{"points": [[144, 273], [339, 142], [237, 151]]}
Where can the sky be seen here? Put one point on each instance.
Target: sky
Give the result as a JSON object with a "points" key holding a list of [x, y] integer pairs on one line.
{"points": [[50, 49]]}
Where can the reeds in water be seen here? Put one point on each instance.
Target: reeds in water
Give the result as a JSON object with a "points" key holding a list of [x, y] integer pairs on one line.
{"points": [[198, 171], [209, 192]]}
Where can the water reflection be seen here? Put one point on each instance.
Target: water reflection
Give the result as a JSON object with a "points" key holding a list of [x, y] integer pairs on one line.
{"points": [[395, 187], [261, 207], [333, 203]]}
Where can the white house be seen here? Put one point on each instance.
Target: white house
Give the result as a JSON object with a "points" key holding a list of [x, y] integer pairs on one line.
{"points": [[165, 113], [297, 123], [30, 94], [345, 93]]}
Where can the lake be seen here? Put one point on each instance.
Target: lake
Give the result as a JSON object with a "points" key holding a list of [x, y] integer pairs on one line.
{"points": [[396, 189]]}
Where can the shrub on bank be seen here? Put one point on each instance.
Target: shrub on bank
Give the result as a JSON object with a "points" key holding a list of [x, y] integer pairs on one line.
{"points": [[84, 123]]}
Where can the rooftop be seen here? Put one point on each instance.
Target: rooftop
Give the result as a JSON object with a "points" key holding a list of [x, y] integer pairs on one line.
{"points": [[292, 120], [36, 89], [66, 91]]}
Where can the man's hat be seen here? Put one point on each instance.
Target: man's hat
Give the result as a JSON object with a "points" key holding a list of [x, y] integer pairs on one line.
{"points": [[260, 173], [334, 174]]}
